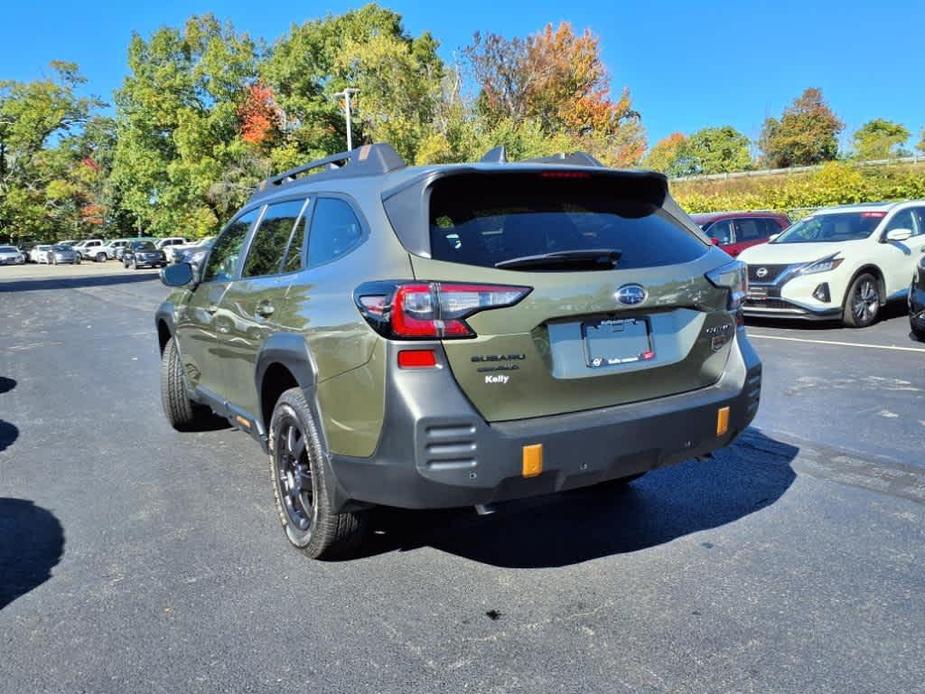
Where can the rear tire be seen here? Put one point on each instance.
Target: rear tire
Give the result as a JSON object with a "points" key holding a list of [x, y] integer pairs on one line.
{"points": [[298, 474], [862, 302], [101, 257], [182, 413]]}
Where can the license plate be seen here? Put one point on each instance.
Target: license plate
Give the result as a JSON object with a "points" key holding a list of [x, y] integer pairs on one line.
{"points": [[616, 341]]}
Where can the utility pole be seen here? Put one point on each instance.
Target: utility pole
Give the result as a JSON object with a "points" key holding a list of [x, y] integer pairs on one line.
{"points": [[346, 94]]}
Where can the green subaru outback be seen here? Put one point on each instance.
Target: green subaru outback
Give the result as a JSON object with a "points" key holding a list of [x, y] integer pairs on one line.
{"points": [[457, 335]]}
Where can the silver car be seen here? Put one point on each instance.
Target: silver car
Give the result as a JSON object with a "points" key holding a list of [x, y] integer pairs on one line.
{"points": [[59, 254], [10, 255]]}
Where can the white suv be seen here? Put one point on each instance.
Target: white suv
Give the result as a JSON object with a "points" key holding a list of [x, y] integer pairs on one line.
{"points": [[91, 249], [841, 262]]}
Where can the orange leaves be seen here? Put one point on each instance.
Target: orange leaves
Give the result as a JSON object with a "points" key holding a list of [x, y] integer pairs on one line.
{"points": [[259, 115]]}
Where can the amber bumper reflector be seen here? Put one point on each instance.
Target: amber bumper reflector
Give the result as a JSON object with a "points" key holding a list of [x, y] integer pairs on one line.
{"points": [[532, 460], [722, 420]]}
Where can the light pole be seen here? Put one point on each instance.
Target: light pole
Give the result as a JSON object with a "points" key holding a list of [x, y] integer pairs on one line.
{"points": [[346, 94]]}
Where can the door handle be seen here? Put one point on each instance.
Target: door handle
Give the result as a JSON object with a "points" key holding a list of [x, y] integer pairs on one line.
{"points": [[211, 309], [265, 309]]}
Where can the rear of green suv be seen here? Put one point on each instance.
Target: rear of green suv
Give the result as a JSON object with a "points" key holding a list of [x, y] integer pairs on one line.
{"points": [[458, 336]]}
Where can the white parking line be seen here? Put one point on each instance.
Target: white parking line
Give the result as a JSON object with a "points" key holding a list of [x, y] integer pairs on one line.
{"points": [[895, 348]]}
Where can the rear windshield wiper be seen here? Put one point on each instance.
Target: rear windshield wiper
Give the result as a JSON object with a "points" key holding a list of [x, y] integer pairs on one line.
{"points": [[589, 258]]}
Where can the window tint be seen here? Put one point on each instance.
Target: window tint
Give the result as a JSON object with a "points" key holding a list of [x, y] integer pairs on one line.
{"points": [[720, 231], [227, 248], [270, 239], [486, 220], [902, 220], [335, 230], [294, 255]]}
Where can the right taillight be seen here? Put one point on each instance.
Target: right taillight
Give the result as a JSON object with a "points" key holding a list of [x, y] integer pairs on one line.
{"points": [[734, 277], [429, 310]]}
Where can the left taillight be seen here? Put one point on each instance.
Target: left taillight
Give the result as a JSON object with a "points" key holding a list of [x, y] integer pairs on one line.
{"points": [[430, 310]]}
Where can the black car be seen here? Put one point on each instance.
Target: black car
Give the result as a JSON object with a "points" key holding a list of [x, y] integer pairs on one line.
{"points": [[917, 302], [143, 254]]}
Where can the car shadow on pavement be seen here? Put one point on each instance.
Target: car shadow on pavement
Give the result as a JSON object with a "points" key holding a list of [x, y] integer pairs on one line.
{"points": [[31, 285], [601, 521], [31, 544], [8, 434], [6, 384]]}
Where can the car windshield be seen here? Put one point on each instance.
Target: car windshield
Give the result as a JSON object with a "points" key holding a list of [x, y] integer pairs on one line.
{"points": [[143, 246], [7, 249], [61, 247], [832, 228]]}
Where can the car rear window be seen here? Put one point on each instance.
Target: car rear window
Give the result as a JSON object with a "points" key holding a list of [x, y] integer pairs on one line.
{"points": [[486, 220]]}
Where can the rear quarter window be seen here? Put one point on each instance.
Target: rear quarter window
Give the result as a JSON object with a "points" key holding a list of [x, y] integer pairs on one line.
{"points": [[486, 220]]}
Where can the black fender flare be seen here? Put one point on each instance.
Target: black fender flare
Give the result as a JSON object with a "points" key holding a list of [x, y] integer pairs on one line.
{"points": [[164, 315]]}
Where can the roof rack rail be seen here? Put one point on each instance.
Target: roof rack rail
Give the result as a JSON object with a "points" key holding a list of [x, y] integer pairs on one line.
{"points": [[568, 158], [367, 160]]}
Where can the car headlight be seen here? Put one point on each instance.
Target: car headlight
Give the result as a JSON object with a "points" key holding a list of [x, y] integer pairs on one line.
{"points": [[822, 265]]}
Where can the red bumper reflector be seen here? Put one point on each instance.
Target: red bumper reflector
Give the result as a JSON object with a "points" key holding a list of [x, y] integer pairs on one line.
{"points": [[417, 359]]}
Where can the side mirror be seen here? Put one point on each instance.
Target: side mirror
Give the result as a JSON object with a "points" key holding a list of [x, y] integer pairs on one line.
{"points": [[898, 235], [178, 275]]}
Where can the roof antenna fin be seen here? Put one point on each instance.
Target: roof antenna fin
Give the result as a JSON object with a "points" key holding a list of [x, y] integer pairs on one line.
{"points": [[498, 155]]}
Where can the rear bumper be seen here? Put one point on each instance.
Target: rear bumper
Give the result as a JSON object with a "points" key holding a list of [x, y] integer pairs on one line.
{"points": [[448, 456]]}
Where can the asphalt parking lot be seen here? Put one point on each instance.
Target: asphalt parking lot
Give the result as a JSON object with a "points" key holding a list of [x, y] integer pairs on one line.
{"points": [[133, 557]]}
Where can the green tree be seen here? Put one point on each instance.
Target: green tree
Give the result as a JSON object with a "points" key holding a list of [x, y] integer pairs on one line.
{"points": [[40, 187], [399, 78], [880, 139], [715, 150], [181, 164], [807, 133]]}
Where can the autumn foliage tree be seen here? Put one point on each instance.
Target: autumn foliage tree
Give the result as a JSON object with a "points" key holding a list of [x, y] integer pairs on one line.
{"points": [[259, 115], [557, 79], [806, 133]]}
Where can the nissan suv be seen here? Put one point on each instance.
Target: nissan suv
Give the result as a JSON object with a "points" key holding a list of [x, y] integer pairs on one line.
{"points": [[457, 335]]}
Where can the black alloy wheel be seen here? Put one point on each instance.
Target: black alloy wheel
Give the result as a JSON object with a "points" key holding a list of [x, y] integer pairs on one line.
{"points": [[293, 473]]}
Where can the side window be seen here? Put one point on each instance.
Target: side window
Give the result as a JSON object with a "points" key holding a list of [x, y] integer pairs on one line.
{"points": [[271, 238], [749, 229], [902, 220], [919, 213], [335, 231], [721, 231], [294, 255], [227, 248]]}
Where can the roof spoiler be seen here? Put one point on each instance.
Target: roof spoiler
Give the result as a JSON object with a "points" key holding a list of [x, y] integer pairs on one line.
{"points": [[368, 160], [498, 155]]}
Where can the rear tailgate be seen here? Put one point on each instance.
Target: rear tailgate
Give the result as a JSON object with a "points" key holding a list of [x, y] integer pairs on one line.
{"points": [[587, 335], [538, 358]]}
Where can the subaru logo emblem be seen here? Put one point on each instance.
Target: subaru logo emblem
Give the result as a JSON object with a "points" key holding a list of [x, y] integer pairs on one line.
{"points": [[761, 272], [631, 294]]}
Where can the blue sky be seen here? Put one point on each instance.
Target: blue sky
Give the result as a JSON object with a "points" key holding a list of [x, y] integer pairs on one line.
{"points": [[688, 65]]}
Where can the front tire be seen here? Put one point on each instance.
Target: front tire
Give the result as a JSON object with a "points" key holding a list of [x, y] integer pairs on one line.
{"points": [[298, 474], [101, 257], [862, 302], [182, 413]]}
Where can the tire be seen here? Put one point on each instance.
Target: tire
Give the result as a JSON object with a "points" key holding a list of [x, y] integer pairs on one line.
{"points": [[862, 302], [134, 264], [54, 260], [101, 257], [77, 259], [305, 510], [182, 413]]}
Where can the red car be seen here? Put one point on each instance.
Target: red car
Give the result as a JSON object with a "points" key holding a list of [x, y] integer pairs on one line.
{"points": [[736, 231]]}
